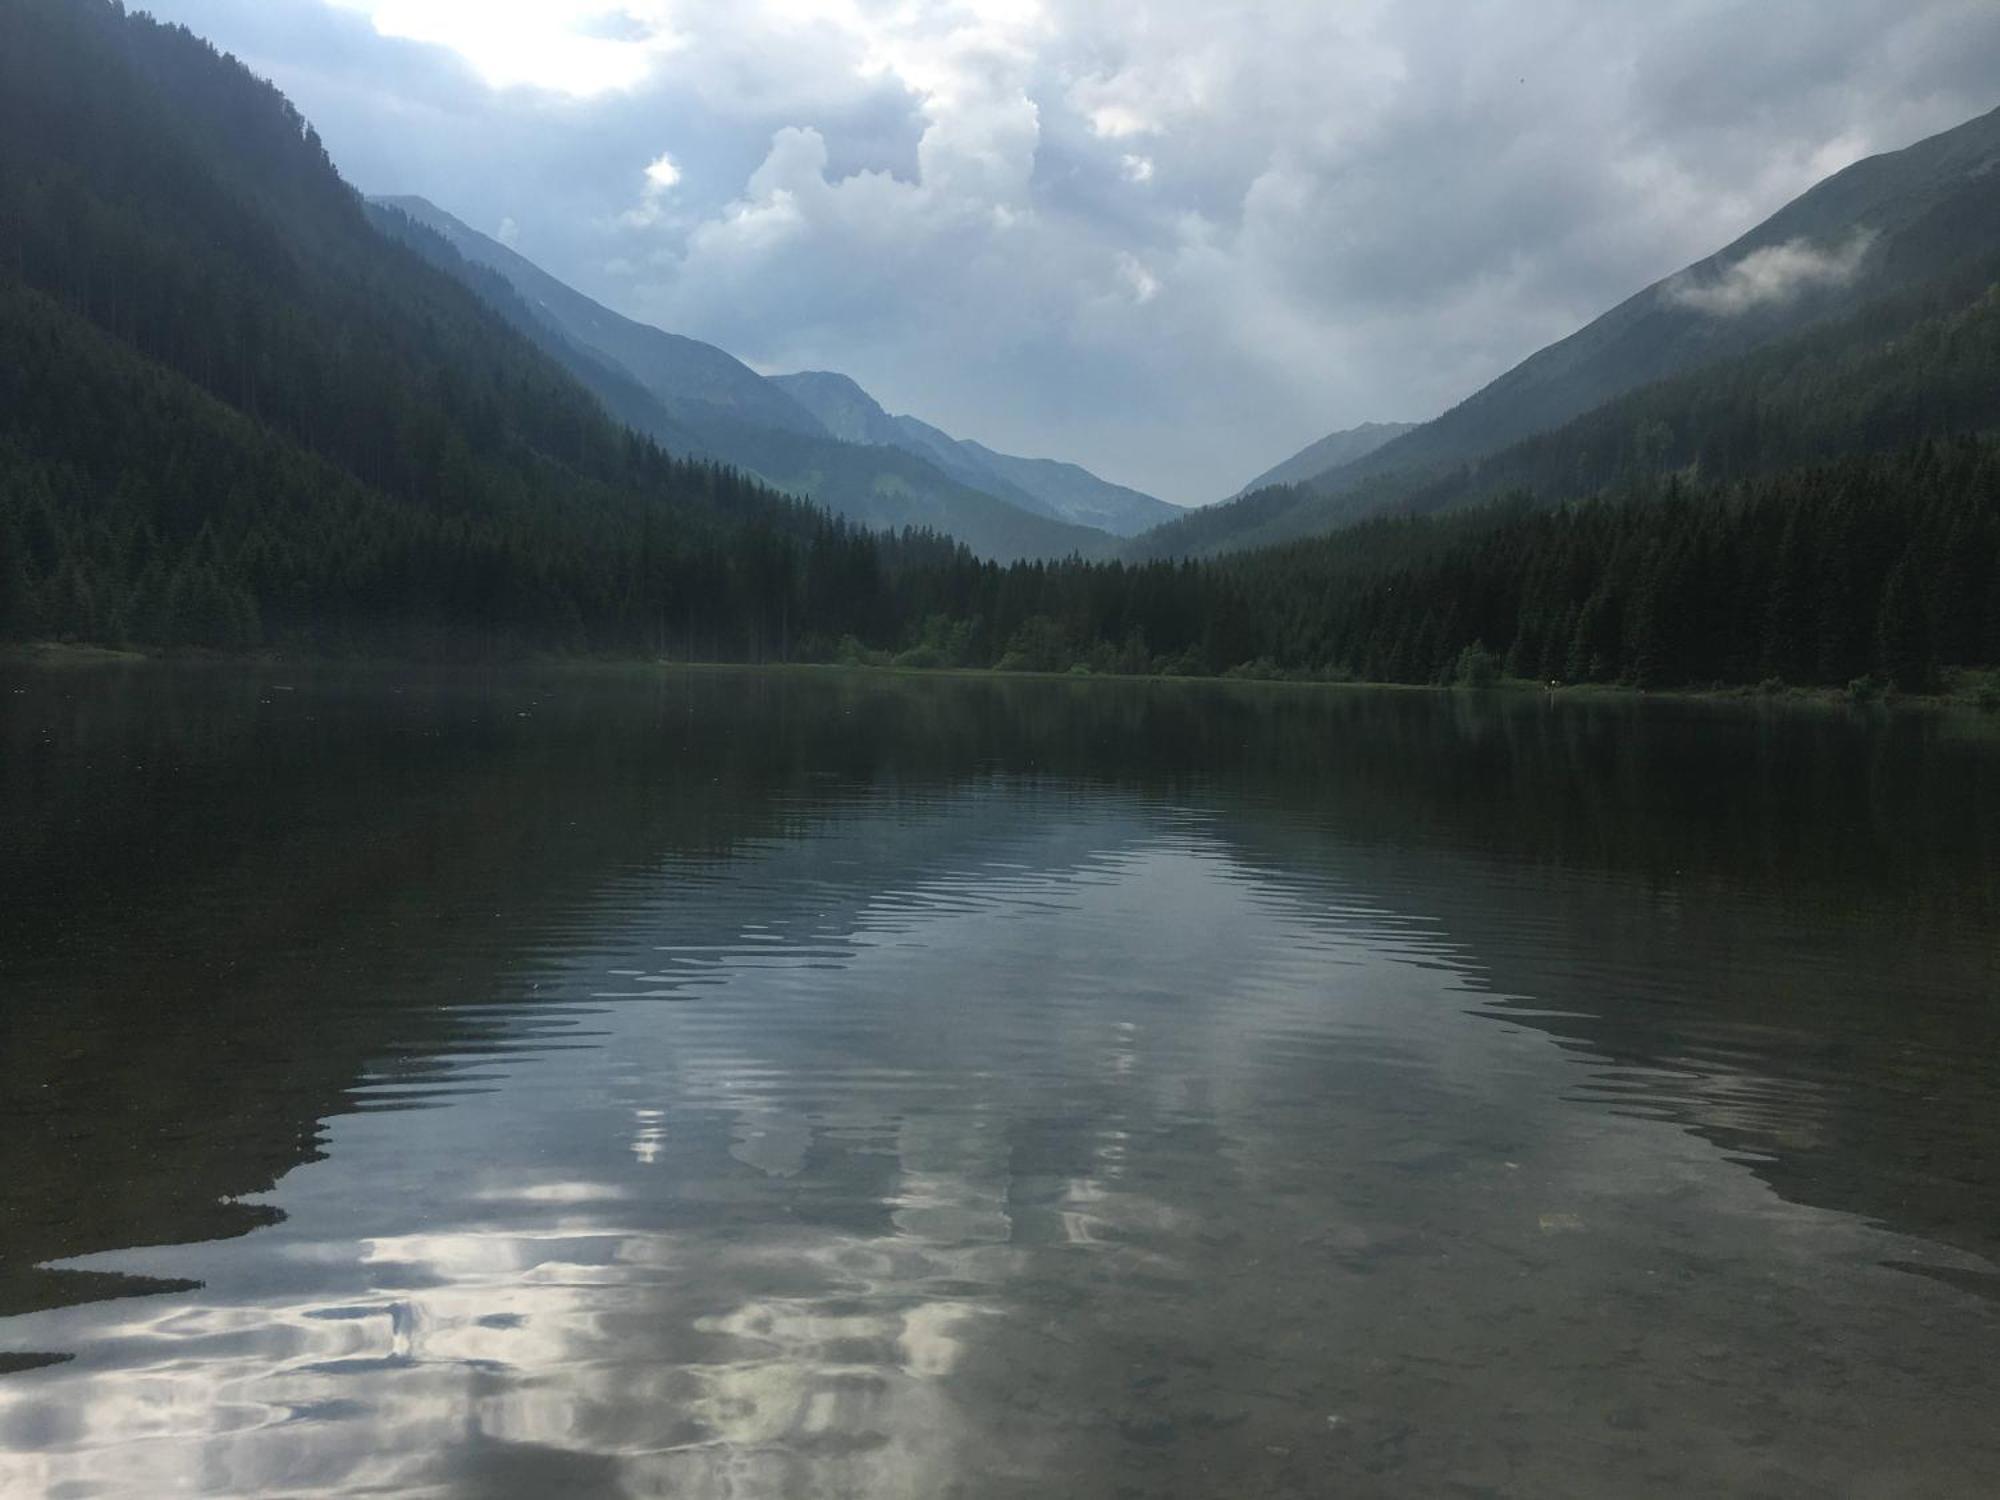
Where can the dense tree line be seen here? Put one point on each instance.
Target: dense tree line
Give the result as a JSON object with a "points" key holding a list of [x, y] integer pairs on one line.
{"points": [[234, 415], [135, 507], [1883, 567], [211, 533]]}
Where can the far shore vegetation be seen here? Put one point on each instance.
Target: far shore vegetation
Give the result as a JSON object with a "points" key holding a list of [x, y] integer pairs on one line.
{"points": [[1959, 688], [235, 417]]}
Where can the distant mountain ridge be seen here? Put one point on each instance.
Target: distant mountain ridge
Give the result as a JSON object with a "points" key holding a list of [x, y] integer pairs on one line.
{"points": [[1064, 491], [1330, 452], [882, 489], [839, 449], [693, 381], [242, 409], [1884, 223]]}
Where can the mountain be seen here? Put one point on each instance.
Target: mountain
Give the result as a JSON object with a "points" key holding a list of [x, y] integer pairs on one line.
{"points": [[1073, 492], [1208, 530], [1266, 500], [854, 416], [241, 408], [232, 413], [842, 407], [1330, 452], [1065, 491], [697, 400], [1919, 364], [695, 383], [1880, 226]]}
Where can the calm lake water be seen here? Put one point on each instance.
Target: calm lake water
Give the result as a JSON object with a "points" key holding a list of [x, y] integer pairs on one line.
{"points": [[724, 1084]]}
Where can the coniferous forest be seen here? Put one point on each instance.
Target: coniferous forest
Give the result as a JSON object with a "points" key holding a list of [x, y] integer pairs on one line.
{"points": [[233, 415]]}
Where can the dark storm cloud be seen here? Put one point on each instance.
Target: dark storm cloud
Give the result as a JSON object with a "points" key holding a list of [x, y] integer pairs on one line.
{"points": [[1170, 241]]}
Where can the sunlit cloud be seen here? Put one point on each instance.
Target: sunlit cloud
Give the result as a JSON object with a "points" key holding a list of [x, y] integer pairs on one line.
{"points": [[1169, 249], [661, 173], [577, 47]]}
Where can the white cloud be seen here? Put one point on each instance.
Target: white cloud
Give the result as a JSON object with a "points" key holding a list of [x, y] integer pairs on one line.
{"points": [[509, 232], [1151, 88], [1115, 121], [662, 176], [661, 173], [1166, 247], [1774, 274], [577, 47]]}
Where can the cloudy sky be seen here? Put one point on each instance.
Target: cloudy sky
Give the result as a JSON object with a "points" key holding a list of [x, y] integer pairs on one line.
{"points": [[1171, 239]]}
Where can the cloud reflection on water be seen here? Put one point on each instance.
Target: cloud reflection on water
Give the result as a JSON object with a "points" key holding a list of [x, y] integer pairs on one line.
{"points": [[1136, 1153]]}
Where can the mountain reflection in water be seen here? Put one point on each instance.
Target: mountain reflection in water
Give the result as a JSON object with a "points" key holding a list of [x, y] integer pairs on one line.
{"points": [[764, 1085]]}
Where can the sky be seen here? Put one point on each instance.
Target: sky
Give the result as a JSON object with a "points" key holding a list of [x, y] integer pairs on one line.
{"points": [[1173, 240]]}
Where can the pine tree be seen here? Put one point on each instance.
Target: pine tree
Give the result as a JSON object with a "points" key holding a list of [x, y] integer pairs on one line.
{"points": [[1903, 636]]}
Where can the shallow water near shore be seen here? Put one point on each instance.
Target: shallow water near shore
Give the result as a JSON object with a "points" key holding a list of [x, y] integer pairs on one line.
{"points": [[774, 1084]]}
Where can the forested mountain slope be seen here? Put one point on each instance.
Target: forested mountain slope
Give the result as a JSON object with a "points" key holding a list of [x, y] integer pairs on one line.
{"points": [[1877, 569], [1924, 363], [1268, 498], [695, 383], [1330, 452], [1875, 227], [1065, 491], [1070, 490], [1211, 530], [699, 400], [1878, 228], [1920, 363], [235, 414]]}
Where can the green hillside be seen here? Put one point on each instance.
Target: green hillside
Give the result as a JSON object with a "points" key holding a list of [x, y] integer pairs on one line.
{"points": [[1875, 230], [234, 414]]}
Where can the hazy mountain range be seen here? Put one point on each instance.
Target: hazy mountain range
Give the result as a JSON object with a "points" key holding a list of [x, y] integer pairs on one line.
{"points": [[1329, 452], [818, 435], [241, 407], [1887, 223], [1065, 491]]}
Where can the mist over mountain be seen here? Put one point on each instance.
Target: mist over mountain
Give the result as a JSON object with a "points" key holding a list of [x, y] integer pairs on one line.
{"points": [[1886, 223]]}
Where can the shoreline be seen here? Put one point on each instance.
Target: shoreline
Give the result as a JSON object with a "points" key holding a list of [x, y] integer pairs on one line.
{"points": [[1975, 690]]}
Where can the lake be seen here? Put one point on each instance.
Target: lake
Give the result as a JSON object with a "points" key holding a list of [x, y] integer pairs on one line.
{"points": [[803, 1084]]}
